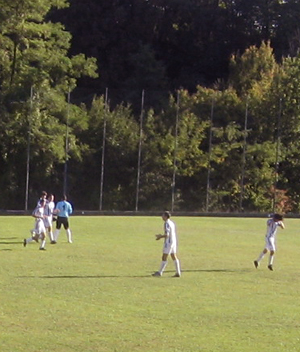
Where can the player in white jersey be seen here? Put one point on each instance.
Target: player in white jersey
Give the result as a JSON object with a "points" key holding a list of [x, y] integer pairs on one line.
{"points": [[48, 219], [272, 226], [39, 231], [170, 245]]}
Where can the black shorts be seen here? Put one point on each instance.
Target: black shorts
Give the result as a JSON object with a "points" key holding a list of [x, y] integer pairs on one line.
{"points": [[62, 221]]}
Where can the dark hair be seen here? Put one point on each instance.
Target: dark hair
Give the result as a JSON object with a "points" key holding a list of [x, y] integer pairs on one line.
{"points": [[277, 217], [167, 214]]}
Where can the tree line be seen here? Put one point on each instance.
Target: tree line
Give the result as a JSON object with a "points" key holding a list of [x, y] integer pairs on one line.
{"points": [[216, 134]]}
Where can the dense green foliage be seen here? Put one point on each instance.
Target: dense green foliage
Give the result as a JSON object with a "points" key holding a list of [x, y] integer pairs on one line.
{"points": [[218, 126]]}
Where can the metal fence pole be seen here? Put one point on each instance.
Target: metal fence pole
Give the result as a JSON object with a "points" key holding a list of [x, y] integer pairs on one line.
{"points": [[175, 152], [244, 158], [103, 151], [28, 151], [65, 188], [277, 154], [209, 155], [140, 153]]}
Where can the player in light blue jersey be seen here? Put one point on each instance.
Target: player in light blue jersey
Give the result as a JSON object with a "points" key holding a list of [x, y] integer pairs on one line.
{"points": [[272, 226], [63, 210]]}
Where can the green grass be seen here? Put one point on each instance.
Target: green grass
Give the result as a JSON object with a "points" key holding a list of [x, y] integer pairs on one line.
{"points": [[97, 294]]}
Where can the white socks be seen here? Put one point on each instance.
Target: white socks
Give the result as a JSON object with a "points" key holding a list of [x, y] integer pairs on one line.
{"points": [[51, 236], [55, 237], [163, 266], [68, 232], [69, 236], [262, 254], [43, 243], [177, 266]]}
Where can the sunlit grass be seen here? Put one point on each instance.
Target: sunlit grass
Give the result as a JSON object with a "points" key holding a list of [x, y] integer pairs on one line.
{"points": [[97, 294]]}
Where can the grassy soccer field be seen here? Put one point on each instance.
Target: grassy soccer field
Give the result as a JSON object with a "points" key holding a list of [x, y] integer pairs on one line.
{"points": [[97, 294]]}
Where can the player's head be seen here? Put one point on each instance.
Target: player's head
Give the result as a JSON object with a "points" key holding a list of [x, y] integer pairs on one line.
{"points": [[50, 197], [166, 215], [42, 202], [44, 194], [277, 217], [64, 197]]}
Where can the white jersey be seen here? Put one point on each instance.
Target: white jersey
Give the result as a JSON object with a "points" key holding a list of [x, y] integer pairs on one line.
{"points": [[39, 221], [170, 244], [272, 227], [49, 207], [170, 231]]}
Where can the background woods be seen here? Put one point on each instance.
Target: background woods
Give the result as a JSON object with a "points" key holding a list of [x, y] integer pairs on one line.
{"points": [[184, 104]]}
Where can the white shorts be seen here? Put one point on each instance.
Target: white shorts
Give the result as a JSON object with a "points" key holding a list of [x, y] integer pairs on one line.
{"points": [[270, 244], [170, 248], [39, 227]]}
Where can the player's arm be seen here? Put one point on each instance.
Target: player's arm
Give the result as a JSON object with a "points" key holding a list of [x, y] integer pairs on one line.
{"points": [[159, 236], [37, 216], [281, 224]]}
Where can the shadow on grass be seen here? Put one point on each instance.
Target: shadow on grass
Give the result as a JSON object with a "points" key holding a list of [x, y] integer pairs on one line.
{"points": [[5, 240], [137, 276], [86, 276], [242, 270], [8, 238]]}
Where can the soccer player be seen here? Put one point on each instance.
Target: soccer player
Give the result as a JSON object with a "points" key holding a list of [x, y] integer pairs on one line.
{"points": [[43, 196], [49, 208], [272, 226], [39, 231], [63, 210], [170, 245]]}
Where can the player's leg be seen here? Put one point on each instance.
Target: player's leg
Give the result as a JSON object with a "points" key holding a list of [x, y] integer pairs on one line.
{"points": [[43, 240], [163, 263], [50, 232], [177, 264], [68, 231], [271, 259], [58, 226], [260, 257], [32, 238], [28, 240]]}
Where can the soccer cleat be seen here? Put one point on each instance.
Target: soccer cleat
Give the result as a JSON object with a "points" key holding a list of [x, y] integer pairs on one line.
{"points": [[70, 241], [42, 249], [177, 275], [255, 263], [270, 267], [24, 242], [53, 242], [157, 273]]}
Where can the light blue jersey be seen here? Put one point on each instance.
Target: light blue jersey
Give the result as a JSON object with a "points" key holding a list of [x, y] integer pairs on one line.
{"points": [[65, 209]]}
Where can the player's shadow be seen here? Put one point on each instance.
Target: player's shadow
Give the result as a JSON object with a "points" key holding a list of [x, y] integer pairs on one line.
{"points": [[5, 240], [8, 238], [216, 270], [86, 276]]}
